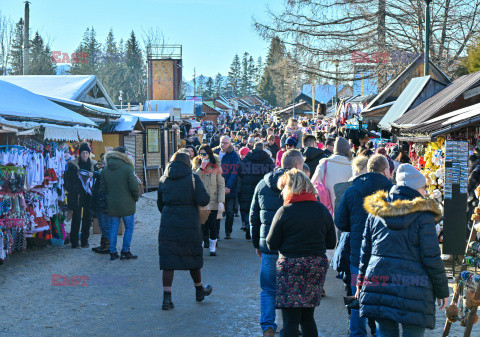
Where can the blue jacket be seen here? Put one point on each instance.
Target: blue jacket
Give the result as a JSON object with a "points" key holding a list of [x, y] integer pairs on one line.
{"points": [[230, 168], [351, 215], [401, 258], [266, 202]]}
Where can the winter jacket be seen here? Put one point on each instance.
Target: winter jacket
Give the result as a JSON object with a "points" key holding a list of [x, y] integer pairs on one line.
{"points": [[472, 183], [401, 258], [312, 157], [253, 168], [351, 215], [274, 148], [120, 184], [339, 170], [213, 181], [266, 202], [230, 168], [77, 197], [302, 229], [99, 199], [180, 237]]}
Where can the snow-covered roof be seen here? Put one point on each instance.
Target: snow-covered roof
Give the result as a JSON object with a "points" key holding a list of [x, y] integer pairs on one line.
{"points": [[186, 107], [20, 103], [151, 116], [70, 89], [58, 86]]}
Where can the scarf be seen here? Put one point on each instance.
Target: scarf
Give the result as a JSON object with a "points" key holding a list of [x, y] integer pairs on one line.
{"points": [[304, 196]]}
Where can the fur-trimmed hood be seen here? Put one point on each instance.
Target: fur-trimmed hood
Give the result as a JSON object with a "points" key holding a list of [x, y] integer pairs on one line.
{"points": [[115, 159], [378, 205]]}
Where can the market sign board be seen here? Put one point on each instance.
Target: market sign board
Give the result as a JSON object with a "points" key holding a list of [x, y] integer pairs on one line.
{"points": [[455, 197]]}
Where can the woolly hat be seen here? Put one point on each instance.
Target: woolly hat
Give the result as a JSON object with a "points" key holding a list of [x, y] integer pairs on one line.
{"points": [[341, 147], [291, 141], [409, 176], [244, 151], [120, 149], [84, 147]]}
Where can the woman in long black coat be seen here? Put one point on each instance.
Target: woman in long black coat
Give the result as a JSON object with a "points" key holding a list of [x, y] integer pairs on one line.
{"points": [[180, 237]]}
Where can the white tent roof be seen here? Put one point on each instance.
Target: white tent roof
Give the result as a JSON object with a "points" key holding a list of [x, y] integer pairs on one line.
{"points": [[19, 102], [58, 86]]}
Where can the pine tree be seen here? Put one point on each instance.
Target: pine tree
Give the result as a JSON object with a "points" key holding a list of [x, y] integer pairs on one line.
{"points": [[40, 58], [208, 93], [245, 76], [259, 70], [252, 76], [88, 55], [218, 85], [17, 50], [200, 85], [277, 67], [136, 90], [266, 89], [234, 75], [112, 70], [472, 61]]}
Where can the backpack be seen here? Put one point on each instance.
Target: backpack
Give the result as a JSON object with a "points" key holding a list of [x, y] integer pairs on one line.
{"points": [[323, 193]]}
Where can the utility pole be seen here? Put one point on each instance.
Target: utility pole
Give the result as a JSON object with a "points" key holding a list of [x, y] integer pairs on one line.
{"points": [[26, 39], [427, 38]]}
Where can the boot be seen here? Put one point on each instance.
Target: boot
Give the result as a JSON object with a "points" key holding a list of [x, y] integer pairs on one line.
{"points": [[102, 245], [104, 248], [213, 247], [114, 256], [167, 301], [202, 291], [127, 256]]}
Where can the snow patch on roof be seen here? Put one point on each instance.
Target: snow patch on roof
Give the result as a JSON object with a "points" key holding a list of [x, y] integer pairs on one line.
{"points": [[19, 102]]}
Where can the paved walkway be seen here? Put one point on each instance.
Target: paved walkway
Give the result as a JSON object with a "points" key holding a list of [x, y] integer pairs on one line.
{"points": [[123, 298]]}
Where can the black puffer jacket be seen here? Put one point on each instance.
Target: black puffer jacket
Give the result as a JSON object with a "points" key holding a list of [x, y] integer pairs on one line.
{"points": [[312, 157], [180, 235], [266, 202], [401, 258], [253, 168]]}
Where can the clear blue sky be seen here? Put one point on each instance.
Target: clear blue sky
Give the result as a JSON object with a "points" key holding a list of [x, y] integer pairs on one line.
{"points": [[211, 31]]}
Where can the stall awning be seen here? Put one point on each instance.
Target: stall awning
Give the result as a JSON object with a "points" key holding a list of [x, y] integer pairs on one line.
{"points": [[89, 133], [74, 134]]}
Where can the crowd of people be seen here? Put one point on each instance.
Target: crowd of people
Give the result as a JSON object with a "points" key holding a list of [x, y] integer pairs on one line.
{"points": [[310, 196]]}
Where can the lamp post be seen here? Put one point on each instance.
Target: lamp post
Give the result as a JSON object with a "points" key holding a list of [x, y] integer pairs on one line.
{"points": [[337, 63], [427, 38], [120, 98]]}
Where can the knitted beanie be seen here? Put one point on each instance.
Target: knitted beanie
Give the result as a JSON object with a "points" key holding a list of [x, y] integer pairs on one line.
{"points": [[244, 151], [409, 176], [341, 147], [84, 147], [291, 141]]}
